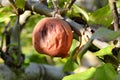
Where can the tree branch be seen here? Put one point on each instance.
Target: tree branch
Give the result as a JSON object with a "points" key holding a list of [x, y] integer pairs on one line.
{"points": [[13, 56], [23, 18], [43, 9], [33, 72], [100, 44], [71, 3]]}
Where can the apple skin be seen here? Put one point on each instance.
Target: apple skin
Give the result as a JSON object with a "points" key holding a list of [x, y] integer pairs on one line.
{"points": [[53, 37]]}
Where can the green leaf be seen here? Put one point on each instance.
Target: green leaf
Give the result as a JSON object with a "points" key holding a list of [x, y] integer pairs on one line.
{"points": [[5, 14], [105, 72], [62, 3], [20, 3], [102, 16], [75, 44], [70, 65], [118, 3], [105, 51], [4, 18], [38, 59], [76, 10], [117, 77], [105, 34], [86, 75]]}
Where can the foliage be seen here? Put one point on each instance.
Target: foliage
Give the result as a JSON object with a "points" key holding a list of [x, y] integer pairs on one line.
{"points": [[102, 16], [105, 51], [20, 3], [5, 14], [105, 70], [86, 75]]}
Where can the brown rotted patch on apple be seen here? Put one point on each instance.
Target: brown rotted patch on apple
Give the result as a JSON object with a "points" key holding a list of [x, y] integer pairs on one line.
{"points": [[53, 37]]}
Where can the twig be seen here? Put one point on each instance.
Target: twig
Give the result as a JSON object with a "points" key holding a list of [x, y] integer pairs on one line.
{"points": [[55, 4], [56, 9], [14, 6], [84, 49], [113, 7], [70, 4], [115, 18], [24, 17], [2, 41], [67, 6], [5, 33]]}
